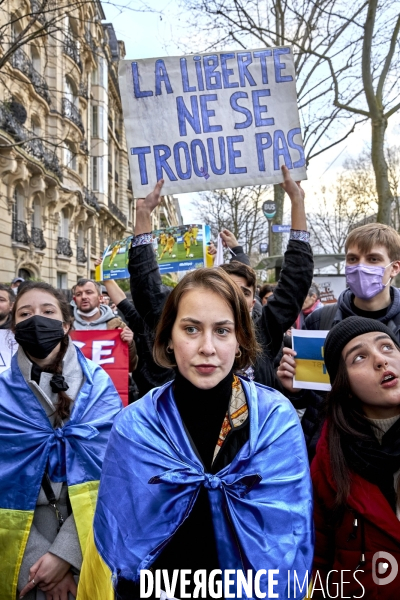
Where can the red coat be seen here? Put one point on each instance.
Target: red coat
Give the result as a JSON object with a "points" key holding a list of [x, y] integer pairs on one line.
{"points": [[339, 545]]}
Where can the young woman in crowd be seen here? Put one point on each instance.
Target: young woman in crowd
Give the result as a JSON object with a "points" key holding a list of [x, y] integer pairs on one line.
{"points": [[206, 472], [356, 469], [56, 413]]}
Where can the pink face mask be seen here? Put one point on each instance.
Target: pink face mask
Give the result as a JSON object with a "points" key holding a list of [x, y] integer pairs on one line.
{"points": [[365, 281]]}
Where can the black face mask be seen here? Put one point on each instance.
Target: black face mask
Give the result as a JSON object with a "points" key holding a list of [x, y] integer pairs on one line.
{"points": [[38, 335]]}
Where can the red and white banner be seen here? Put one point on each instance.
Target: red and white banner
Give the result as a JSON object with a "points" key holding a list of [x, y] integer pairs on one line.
{"points": [[106, 349]]}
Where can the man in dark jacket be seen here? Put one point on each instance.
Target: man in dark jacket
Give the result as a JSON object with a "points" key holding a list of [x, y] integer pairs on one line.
{"points": [[372, 261], [149, 295]]}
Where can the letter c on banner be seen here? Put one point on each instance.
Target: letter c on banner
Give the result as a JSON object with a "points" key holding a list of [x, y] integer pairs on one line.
{"points": [[258, 593]]}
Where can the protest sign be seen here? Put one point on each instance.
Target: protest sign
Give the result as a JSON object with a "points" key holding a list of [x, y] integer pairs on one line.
{"points": [[181, 248], [8, 346], [330, 287], [115, 261], [105, 348], [208, 121], [311, 373]]}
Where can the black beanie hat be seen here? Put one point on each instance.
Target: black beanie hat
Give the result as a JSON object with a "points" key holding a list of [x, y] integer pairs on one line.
{"points": [[342, 333]]}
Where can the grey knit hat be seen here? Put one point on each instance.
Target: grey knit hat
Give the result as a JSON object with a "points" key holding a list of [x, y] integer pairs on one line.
{"points": [[342, 333]]}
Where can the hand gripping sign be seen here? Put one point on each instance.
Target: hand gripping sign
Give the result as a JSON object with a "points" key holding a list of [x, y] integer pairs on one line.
{"points": [[211, 121], [106, 349]]}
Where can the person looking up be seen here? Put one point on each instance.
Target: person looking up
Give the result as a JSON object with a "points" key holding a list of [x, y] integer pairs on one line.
{"points": [[372, 262], [356, 470], [56, 413], [7, 299], [223, 491], [90, 313]]}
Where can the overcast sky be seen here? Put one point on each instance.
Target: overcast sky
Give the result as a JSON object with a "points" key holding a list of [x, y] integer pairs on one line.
{"points": [[153, 34]]}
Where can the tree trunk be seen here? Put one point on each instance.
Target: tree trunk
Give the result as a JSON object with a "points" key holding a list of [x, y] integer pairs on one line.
{"points": [[381, 170], [276, 241]]}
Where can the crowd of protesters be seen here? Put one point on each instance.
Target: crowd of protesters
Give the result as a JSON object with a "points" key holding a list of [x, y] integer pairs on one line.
{"points": [[218, 464]]}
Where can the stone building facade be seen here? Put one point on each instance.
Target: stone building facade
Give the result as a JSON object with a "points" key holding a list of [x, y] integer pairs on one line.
{"points": [[65, 188]]}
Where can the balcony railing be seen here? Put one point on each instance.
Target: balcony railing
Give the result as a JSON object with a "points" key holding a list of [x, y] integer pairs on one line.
{"points": [[83, 90], [64, 247], [80, 255], [71, 50], [89, 40], [116, 212], [20, 232], [84, 146], [32, 144], [21, 61], [38, 238], [90, 199], [37, 10], [70, 111]]}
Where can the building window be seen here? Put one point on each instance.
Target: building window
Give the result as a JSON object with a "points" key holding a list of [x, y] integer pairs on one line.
{"points": [[63, 226], [97, 174], [35, 56], [95, 76], [70, 156], [99, 124], [62, 281], [35, 125], [102, 67], [95, 121], [93, 242], [19, 205]]}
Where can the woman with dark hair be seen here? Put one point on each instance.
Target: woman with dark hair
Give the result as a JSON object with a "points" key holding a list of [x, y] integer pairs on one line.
{"points": [[356, 469], [207, 473], [56, 413]]}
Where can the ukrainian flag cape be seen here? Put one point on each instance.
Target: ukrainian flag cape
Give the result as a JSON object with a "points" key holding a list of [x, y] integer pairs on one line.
{"points": [[144, 497], [28, 443]]}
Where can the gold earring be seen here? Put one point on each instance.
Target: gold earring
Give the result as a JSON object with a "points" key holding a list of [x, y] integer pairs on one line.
{"points": [[238, 355]]}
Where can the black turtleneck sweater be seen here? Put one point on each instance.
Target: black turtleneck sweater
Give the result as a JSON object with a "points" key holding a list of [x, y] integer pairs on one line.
{"points": [[193, 545], [203, 412]]}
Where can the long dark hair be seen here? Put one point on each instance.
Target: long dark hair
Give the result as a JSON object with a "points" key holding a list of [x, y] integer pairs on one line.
{"points": [[346, 422], [63, 407]]}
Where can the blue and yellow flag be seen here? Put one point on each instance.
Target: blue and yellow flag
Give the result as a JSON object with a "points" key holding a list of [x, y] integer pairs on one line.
{"points": [[73, 454], [311, 372], [144, 498]]}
